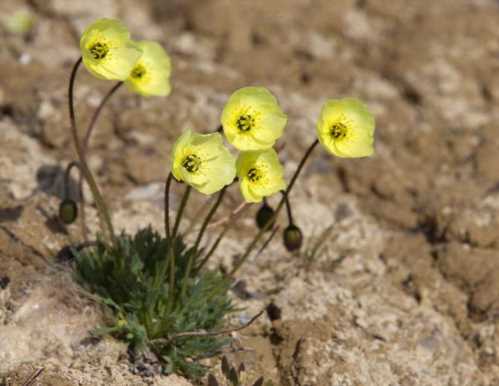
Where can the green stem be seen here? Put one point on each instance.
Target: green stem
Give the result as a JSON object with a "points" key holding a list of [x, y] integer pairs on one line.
{"points": [[87, 174], [67, 176], [167, 205], [97, 112], [209, 217], [267, 242], [86, 141], [200, 237], [67, 181], [220, 237], [180, 212], [288, 208], [83, 222], [172, 242], [171, 264], [214, 247], [279, 207]]}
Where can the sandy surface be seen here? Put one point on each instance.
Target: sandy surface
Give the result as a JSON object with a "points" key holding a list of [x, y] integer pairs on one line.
{"points": [[406, 289]]}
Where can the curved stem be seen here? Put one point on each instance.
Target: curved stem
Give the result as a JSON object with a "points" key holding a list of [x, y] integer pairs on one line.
{"points": [[180, 212], [171, 265], [83, 216], [171, 244], [288, 208], [279, 207], [200, 236], [86, 142], [209, 217], [97, 112], [267, 242], [214, 247], [222, 234], [99, 201], [67, 176], [167, 205], [67, 181]]}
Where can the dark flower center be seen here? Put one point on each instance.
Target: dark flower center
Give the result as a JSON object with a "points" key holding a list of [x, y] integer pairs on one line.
{"points": [[245, 122], [254, 175], [99, 50], [338, 130], [191, 163], [138, 72]]}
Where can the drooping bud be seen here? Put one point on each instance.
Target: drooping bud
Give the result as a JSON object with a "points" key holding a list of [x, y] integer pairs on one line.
{"points": [[68, 211], [264, 215], [292, 238]]}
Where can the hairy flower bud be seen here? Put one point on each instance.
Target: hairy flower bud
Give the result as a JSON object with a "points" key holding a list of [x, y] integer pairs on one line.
{"points": [[68, 211], [292, 238], [264, 215]]}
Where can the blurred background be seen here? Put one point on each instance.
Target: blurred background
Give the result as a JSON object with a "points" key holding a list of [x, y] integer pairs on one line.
{"points": [[423, 211]]}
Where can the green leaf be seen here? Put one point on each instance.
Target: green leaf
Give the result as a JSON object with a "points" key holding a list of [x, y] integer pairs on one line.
{"points": [[132, 278]]}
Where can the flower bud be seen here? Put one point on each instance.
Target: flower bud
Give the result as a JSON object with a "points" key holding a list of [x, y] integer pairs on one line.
{"points": [[292, 238], [68, 211], [264, 215]]}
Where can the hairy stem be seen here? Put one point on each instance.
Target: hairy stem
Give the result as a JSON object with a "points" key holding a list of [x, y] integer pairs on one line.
{"points": [[288, 208], [67, 181], [107, 228], [67, 176], [220, 237], [200, 237], [172, 242], [96, 115], [267, 242], [214, 247], [279, 207], [167, 205], [209, 217], [181, 209]]}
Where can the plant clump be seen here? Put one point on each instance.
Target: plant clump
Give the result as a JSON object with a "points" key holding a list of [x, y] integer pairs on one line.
{"points": [[131, 279], [161, 296]]}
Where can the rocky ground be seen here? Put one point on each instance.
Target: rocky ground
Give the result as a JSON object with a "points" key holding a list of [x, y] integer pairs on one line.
{"points": [[405, 290]]}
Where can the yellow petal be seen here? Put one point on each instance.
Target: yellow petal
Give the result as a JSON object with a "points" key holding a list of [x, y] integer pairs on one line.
{"points": [[209, 167], [346, 128], [252, 119], [266, 166], [178, 152], [272, 127], [151, 74], [248, 194], [107, 50]]}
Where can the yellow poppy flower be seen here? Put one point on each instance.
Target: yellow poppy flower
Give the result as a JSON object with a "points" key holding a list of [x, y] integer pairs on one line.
{"points": [[260, 173], [346, 128], [151, 74], [202, 161], [107, 50], [252, 119]]}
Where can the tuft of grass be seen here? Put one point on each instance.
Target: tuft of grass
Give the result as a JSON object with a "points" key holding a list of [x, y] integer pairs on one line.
{"points": [[317, 244], [132, 278]]}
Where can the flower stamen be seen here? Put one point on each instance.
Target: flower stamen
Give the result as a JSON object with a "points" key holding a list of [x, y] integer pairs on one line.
{"points": [[254, 175], [191, 163], [245, 122], [138, 72], [99, 50], [339, 130]]}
